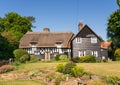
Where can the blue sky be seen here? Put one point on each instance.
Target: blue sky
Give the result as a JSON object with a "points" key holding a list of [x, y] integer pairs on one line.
{"points": [[63, 15]]}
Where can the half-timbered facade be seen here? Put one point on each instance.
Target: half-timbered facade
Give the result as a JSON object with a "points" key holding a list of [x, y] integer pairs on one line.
{"points": [[47, 44]]}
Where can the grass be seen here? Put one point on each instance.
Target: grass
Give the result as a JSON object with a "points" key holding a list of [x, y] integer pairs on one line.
{"points": [[101, 69], [21, 82]]}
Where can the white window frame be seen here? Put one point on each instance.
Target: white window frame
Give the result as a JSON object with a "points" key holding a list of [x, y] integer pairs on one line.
{"points": [[96, 53], [78, 40], [93, 39], [80, 53]]}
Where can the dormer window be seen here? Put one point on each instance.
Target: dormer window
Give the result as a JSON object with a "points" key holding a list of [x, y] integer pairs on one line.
{"points": [[58, 44], [93, 40], [78, 40], [33, 44]]}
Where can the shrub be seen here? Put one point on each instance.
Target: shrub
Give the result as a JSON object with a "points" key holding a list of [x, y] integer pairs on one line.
{"points": [[88, 59], [34, 73], [24, 58], [58, 79], [63, 57], [6, 68], [60, 68], [19, 53], [76, 59], [117, 54], [68, 67], [112, 80], [34, 59], [77, 71], [57, 57]]}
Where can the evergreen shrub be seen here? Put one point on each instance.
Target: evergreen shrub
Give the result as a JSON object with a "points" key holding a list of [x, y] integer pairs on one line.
{"points": [[77, 71]]}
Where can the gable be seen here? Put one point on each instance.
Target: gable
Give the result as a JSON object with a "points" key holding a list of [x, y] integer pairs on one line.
{"points": [[86, 32]]}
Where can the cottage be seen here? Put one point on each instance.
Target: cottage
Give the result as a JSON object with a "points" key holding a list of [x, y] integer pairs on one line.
{"points": [[87, 42], [47, 44]]}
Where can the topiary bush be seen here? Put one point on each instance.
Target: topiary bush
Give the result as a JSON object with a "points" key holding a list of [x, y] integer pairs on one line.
{"points": [[88, 59], [117, 54], [68, 67], [77, 71]]}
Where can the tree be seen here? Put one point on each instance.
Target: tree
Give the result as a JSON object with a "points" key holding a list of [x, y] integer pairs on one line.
{"points": [[11, 39], [16, 24], [118, 2], [113, 29], [5, 49], [12, 27]]}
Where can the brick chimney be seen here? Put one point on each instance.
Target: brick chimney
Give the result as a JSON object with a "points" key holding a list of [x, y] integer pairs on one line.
{"points": [[46, 30], [80, 26]]}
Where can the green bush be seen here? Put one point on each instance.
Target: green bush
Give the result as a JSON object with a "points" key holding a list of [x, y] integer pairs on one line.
{"points": [[58, 79], [63, 57], [60, 68], [76, 59], [117, 54], [19, 53], [6, 68], [57, 57], [112, 80], [24, 58], [88, 59], [34, 59], [77, 71], [68, 67]]}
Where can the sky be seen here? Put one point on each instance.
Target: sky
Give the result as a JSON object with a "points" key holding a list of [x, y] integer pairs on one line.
{"points": [[63, 15]]}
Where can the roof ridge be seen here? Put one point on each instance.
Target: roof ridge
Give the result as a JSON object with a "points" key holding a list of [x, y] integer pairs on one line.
{"points": [[47, 32]]}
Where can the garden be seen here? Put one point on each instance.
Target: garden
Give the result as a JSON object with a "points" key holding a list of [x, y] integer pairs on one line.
{"points": [[87, 70]]}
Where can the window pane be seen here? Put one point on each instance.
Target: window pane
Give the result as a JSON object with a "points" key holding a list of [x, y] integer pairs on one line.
{"points": [[93, 40], [78, 40]]}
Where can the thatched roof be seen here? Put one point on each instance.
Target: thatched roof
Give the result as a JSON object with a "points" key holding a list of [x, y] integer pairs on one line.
{"points": [[46, 39]]}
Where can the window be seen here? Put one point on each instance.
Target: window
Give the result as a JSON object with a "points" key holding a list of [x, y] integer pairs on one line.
{"points": [[78, 40], [93, 40], [95, 53], [82, 53]]}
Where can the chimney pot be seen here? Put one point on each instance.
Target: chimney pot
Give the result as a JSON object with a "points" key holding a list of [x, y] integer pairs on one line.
{"points": [[46, 30], [80, 26]]}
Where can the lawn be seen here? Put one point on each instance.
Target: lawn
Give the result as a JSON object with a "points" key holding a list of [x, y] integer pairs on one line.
{"points": [[100, 69], [21, 82], [103, 69]]}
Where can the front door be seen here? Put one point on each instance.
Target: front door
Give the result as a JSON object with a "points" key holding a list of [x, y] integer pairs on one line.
{"points": [[47, 56]]}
